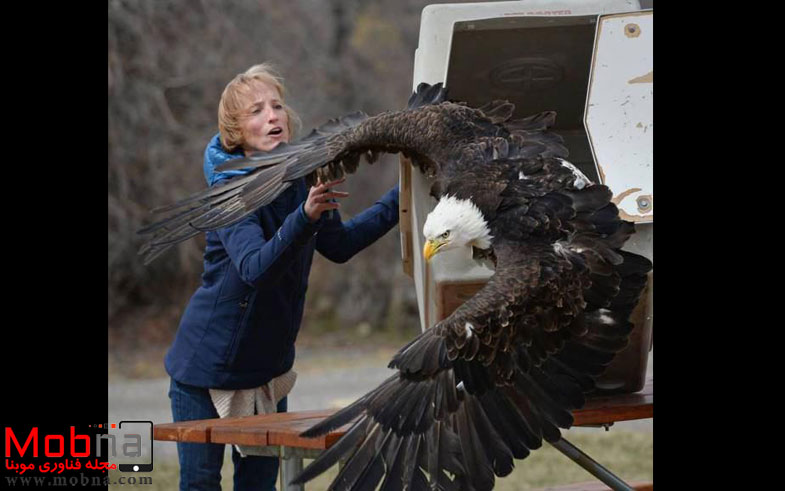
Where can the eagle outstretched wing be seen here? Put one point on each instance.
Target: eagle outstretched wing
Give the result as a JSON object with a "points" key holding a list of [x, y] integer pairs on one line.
{"points": [[441, 138], [504, 371]]}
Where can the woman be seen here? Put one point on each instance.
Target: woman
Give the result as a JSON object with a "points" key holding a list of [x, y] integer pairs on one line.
{"points": [[235, 344]]}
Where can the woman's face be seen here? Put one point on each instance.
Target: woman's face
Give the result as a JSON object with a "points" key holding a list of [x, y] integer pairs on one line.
{"points": [[264, 122]]}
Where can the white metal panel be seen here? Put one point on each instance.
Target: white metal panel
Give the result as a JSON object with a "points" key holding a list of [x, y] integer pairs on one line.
{"points": [[619, 112]]}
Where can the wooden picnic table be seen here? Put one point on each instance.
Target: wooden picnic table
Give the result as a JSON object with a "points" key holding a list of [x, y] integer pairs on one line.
{"points": [[279, 434]]}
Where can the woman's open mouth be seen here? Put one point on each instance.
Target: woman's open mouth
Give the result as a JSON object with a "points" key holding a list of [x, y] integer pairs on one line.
{"points": [[275, 131]]}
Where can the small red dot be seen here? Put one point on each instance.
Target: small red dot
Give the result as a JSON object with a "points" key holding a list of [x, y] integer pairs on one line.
{"points": [[113, 425], [100, 426]]}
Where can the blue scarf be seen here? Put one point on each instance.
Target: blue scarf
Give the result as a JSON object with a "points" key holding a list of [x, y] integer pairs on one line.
{"points": [[214, 155]]}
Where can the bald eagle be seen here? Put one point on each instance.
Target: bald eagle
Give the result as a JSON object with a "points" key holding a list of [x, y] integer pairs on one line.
{"points": [[502, 373]]}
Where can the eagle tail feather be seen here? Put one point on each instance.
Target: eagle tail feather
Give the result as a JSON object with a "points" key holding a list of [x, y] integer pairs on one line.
{"points": [[417, 356], [480, 470], [474, 376], [223, 186], [590, 198], [603, 289], [186, 214], [531, 133], [363, 463], [496, 450], [555, 365], [348, 413], [255, 160], [562, 389], [330, 456], [393, 480], [550, 409], [536, 122], [513, 421], [498, 111], [219, 206], [411, 472], [526, 410], [634, 266]]}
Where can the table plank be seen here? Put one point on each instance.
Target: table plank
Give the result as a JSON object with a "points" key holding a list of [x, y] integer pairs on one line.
{"points": [[257, 429], [289, 435], [196, 431], [185, 431], [621, 407]]}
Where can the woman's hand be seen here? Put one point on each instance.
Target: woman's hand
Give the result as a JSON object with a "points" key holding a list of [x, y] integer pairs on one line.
{"points": [[318, 199]]}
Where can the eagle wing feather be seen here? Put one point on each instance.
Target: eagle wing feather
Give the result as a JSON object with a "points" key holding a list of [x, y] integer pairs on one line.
{"points": [[442, 138]]}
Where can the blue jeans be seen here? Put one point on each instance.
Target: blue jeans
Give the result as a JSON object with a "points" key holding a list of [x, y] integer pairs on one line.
{"points": [[200, 463]]}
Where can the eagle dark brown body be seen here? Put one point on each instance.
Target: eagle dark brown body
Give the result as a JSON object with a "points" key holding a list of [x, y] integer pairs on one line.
{"points": [[487, 384]]}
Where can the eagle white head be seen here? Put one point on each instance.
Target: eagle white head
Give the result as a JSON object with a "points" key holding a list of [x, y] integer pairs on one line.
{"points": [[452, 224]]}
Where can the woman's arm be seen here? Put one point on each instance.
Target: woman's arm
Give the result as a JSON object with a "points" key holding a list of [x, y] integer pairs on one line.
{"points": [[258, 260], [339, 241]]}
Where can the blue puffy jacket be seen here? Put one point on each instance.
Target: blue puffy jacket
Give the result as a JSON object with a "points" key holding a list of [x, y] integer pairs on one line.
{"points": [[239, 328]]}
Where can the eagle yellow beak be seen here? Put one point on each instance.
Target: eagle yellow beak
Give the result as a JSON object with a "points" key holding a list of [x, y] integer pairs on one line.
{"points": [[430, 248]]}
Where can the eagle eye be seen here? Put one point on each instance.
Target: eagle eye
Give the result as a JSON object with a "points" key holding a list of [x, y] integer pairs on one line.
{"points": [[445, 235]]}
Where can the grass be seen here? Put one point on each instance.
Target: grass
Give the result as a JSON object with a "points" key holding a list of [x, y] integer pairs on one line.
{"points": [[627, 454]]}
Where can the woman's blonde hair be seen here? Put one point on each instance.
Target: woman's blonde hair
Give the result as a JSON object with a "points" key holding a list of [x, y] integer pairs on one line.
{"points": [[234, 97]]}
